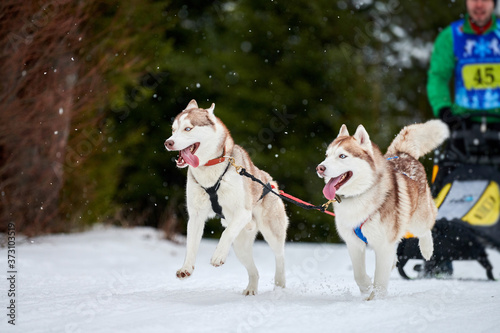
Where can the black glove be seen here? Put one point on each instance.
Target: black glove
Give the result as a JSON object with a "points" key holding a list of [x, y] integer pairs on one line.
{"points": [[449, 118]]}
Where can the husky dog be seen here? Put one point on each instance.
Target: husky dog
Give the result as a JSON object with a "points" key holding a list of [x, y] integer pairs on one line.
{"points": [[382, 196], [214, 188]]}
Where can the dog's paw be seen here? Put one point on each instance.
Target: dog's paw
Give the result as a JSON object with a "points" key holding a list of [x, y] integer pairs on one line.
{"points": [[218, 259], [365, 285], [377, 293], [365, 290], [371, 297], [185, 272], [280, 282], [250, 292]]}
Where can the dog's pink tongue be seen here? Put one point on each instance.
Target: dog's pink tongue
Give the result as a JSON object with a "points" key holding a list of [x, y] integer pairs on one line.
{"points": [[329, 189], [189, 158]]}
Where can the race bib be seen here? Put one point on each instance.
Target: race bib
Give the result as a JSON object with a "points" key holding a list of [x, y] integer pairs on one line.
{"points": [[481, 76]]}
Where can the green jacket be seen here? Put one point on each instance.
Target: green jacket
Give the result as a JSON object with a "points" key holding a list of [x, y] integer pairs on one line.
{"points": [[442, 67]]}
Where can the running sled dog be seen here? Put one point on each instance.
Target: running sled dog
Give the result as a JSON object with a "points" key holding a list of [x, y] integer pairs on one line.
{"points": [[382, 196], [215, 188]]}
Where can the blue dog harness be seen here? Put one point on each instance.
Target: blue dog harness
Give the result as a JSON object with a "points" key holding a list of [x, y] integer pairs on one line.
{"points": [[359, 233]]}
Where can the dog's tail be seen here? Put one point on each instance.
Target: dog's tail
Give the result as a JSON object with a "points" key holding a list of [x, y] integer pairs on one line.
{"points": [[419, 139]]}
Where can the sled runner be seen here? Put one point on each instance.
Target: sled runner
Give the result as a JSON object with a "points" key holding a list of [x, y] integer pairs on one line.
{"points": [[466, 188]]}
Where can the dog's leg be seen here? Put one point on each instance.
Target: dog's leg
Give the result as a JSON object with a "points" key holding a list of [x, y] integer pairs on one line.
{"points": [[384, 259], [194, 233], [243, 248], [275, 237], [426, 245], [357, 254], [236, 223]]}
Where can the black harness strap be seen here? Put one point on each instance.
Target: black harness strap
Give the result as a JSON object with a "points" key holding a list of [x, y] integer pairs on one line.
{"points": [[265, 191], [212, 193]]}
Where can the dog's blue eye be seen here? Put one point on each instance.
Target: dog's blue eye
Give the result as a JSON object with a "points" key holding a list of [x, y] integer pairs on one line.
{"points": [[342, 156], [187, 129]]}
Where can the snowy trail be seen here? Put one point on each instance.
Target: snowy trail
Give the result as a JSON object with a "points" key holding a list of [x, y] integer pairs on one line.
{"points": [[123, 280]]}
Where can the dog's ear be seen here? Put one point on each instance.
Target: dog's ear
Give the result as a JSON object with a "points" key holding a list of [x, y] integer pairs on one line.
{"points": [[211, 109], [362, 137], [192, 105], [343, 131]]}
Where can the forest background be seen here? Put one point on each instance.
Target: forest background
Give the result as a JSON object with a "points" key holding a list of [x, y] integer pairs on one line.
{"points": [[90, 88]]}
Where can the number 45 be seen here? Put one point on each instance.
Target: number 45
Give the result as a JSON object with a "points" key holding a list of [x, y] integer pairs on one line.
{"points": [[485, 77]]}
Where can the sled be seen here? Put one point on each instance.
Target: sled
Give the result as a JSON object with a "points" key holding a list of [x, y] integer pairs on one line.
{"points": [[466, 188]]}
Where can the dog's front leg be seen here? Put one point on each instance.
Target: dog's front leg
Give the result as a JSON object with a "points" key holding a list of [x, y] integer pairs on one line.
{"points": [[195, 227], [236, 223], [384, 255], [357, 253]]}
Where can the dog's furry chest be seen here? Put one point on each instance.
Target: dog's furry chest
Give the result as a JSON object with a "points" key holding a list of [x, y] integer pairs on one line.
{"points": [[349, 215], [208, 177]]}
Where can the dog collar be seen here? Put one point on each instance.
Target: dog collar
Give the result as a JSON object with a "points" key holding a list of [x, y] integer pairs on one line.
{"points": [[217, 160]]}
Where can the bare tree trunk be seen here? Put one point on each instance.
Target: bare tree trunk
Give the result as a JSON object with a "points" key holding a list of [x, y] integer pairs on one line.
{"points": [[39, 71]]}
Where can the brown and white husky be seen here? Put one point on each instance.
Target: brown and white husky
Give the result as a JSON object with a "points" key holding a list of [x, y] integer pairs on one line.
{"points": [[215, 188], [382, 196]]}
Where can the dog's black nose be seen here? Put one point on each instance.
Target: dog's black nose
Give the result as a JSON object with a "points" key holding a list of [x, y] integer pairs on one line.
{"points": [[169, 144], [320, 169]]}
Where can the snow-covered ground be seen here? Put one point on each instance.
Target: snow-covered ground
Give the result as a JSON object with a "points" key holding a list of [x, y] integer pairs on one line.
{"points": [[123, 280]]}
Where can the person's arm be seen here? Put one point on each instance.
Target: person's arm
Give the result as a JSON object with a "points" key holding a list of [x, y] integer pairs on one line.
{"points": [[441, 70]]}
